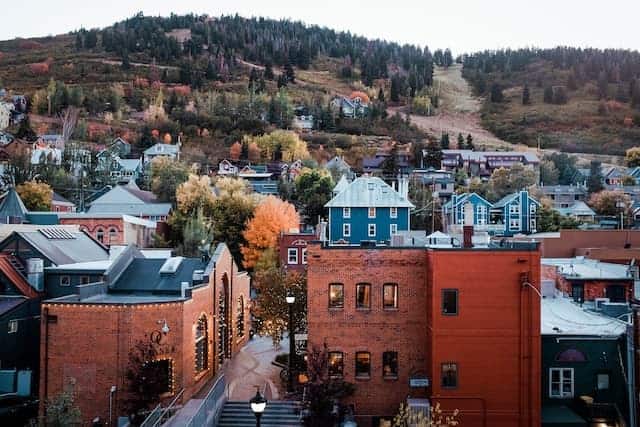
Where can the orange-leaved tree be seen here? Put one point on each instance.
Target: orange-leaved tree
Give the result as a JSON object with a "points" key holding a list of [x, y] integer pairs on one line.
{"points": [[271, 217]]}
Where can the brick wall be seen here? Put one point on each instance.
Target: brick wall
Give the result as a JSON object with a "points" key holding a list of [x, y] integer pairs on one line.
{"points": [[92, 225]]}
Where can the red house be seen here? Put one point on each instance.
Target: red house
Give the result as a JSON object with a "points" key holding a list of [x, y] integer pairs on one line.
{"points": [[456, 326], [292, 250]]}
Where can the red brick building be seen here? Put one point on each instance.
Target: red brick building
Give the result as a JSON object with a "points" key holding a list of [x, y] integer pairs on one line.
{"points": [[292, 250], [464, 321], [114, 228], [196, 315]]}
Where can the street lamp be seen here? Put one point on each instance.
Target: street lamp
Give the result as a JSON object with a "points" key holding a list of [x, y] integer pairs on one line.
{"points": [[290, 300], [258, 404]]}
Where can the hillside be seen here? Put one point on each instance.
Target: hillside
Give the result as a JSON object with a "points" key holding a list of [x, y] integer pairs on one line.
{"points": [[584, 101]]}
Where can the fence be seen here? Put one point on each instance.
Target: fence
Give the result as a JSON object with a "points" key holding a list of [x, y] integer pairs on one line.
{"points": [[211, 407]]}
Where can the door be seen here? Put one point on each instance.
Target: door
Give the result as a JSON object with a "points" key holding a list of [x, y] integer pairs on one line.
{"points": [[616, 293], [577, 293]]}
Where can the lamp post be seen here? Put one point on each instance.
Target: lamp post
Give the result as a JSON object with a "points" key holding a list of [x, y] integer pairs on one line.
{"points": [[258, 404], [290, 300]]}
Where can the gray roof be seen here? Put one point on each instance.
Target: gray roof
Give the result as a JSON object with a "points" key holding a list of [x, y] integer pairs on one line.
{"points": [[12, 206], [9, 303], [162, 150], [341, 185], [479, 156], [75, 246], [553, 189], [143, 275], [129, 164], [59, 199], [579, 208], [368, 191], [133, 209]]}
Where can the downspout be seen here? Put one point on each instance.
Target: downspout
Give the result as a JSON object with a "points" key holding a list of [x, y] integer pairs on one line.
{"points": [[45, 317]]}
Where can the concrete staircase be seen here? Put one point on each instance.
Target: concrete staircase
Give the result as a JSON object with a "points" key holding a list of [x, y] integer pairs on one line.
{"points": [[277, 414]]}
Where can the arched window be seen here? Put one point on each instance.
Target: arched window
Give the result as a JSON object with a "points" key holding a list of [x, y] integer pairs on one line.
{"points": [[240, 317], [202, 345], [113, 235], [571, 355], [100, 235]]}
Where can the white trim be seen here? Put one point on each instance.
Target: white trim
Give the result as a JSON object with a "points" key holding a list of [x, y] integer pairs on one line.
{"points": [[12, 326], [304, 256], [393, 212], [393, 229], [369, 233], [346, 212], [369, 212], [346, 230], [562, 394], [292, 251], [68, 280]]}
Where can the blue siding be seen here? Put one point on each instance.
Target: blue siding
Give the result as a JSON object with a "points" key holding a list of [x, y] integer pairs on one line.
{"points": [[524, 215], [360, 224]]}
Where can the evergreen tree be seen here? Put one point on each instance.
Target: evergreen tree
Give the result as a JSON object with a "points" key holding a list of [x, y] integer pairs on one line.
{"points": [[444, 141], [268, 71], [25, 131], [126, 65], [282, 81], [548, 95], [381, 95], [433, 156], [496, 93], [526, 96], [594, 182], [470, 145], [289, 73], [79, 42], [396, 88], [460, 141]]}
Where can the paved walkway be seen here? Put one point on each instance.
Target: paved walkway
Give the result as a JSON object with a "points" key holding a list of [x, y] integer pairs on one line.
{"points": [[252, 367]]}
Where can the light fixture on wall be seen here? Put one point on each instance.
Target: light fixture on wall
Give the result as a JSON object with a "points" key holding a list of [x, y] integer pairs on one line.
{"points": [[165, 327]]}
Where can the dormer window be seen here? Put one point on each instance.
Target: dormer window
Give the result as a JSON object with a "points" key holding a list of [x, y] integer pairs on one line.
{"points": [[372, 213]]}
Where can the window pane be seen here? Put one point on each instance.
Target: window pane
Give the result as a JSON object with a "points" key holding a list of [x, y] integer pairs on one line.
{"points": [[449, 375], [555, 389], [336, 295], [363, 364], [390, 364], [390, 295], [363, 295], [555, 375], [603, 381], [450, 301], [336, 364]]}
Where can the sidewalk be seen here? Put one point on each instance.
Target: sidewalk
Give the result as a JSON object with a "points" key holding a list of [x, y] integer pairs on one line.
{"points": [[252, 367]]}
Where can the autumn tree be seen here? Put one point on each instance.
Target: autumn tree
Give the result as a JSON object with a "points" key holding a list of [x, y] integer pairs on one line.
{"points": [[166, 176], [632, 157], [505, 181], [273, 283], [195, 193], [271, 217], [235, 151], [36, 196], [62, 411], [281, 145], [611, 203], [435, 418], [550, 220]]}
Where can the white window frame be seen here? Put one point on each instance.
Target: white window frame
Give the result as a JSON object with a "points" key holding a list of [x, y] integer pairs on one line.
{"points": [[393, 229], [481, 214], [304, 255], [514, 224], [562, 394], [393, 212], [292, 251], [346, 230], [369, 229], [13, 326], [369, 211], [346, 212], [514, 209], [68, 280]]}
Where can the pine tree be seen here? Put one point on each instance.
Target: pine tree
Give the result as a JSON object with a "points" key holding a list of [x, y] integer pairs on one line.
{"points": [[594, 182], [268, 71], [381, 95], [444, 141], [126, 65], [470, 145], [460, 142], [79, 44], [289, 73], [526, 96], [548, 95], [496, 93]]}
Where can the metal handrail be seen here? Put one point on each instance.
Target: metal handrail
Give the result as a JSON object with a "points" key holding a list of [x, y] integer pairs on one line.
{"points": [[167, 409]]}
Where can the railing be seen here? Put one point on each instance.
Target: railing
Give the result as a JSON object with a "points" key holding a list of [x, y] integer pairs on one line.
{"points": [[159, 414], [211, 407], [153, 417]]}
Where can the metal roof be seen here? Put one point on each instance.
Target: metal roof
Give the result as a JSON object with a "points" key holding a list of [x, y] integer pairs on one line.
{"points": [[144, 275], [78, 248], [561, 316], [579, 208], [584, 268], [12, 206], [368, 191]]}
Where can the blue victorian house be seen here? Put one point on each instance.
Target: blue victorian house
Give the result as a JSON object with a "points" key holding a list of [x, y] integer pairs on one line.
{"points": [[517, 212], [368, 209], [453, 210]]}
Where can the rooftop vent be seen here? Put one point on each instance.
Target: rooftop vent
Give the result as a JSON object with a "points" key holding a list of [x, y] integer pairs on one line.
{"points": [[171, 265], [56, 234]]}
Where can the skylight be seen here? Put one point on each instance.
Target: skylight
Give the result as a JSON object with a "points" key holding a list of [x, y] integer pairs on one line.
{"points": [[171, 265]]}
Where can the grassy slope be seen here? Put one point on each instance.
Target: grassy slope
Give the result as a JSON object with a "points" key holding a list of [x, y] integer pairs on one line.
{"points": [[574, 127]]}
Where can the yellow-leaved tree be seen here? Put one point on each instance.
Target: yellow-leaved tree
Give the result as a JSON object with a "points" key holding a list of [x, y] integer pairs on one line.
{"points": [[271, 217], [280, 145], [195, 193], [36, 196]]}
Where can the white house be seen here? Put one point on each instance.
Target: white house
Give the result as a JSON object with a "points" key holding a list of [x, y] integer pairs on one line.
{"points": [[167, 150], [5, 114]]}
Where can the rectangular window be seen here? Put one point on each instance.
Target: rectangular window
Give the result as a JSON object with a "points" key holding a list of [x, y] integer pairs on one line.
{"points": [[393, 229], [602, 381], [390, 364], [346, 212], [346, 230], [514, 209], [13, 326], [84, 280], [363, 296], [162, 371], [336, 295], [450, 302], [65, 281], [561, 383], [292, 255], [449, 375], [372, 230], [363, 364], [514, 224], [389, 296], [393, 212], [336, 364], [304, 255], [372, 212]]}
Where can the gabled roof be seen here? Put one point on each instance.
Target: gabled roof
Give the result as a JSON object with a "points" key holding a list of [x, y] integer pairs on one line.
{"points": [[579, 208], [462, 198], [337, 162], [11, 205], [341, 185], [510, 198], [368, 191], [162, 149], [61, 200]]}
